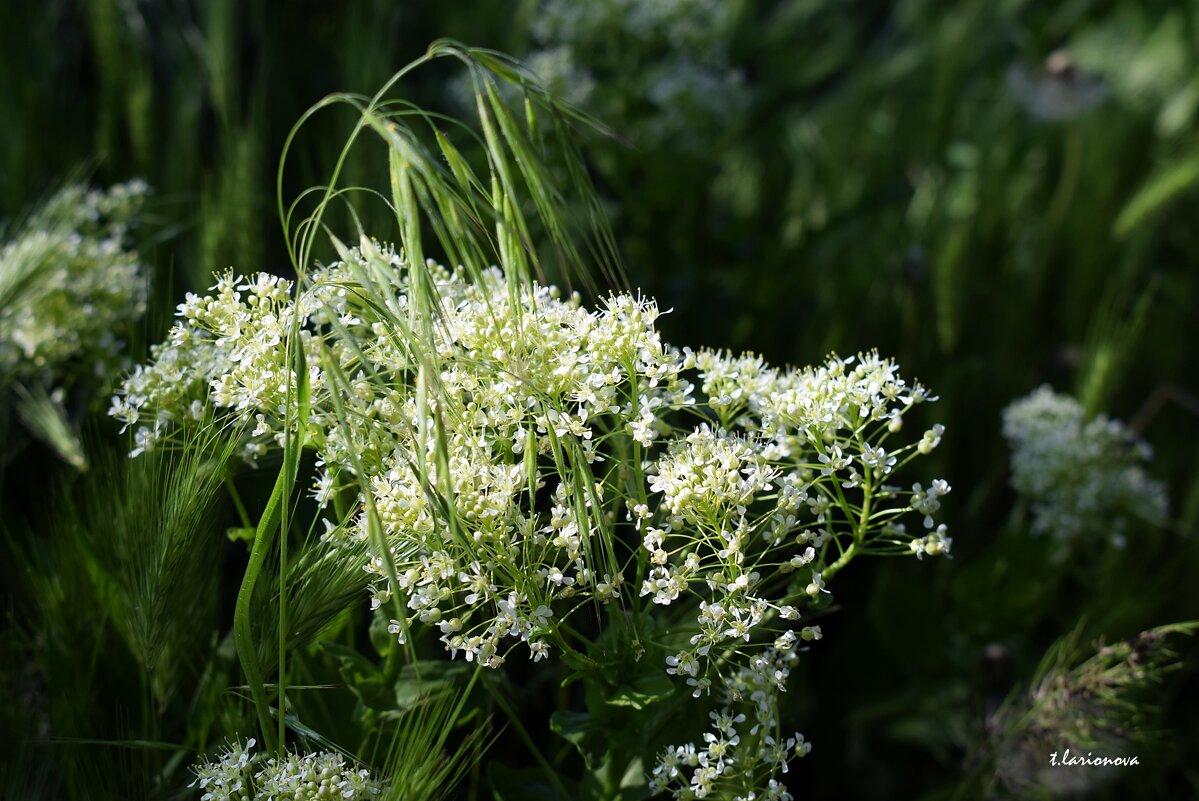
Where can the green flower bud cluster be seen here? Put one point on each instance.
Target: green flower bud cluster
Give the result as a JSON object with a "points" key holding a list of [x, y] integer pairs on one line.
{"points": [[238, 774]]}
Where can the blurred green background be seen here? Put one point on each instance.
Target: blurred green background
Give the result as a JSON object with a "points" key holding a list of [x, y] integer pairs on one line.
{"points": [[998, 194]]}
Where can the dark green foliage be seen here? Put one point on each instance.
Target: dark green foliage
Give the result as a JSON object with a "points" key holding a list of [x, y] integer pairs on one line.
{"points": [[117, 611]]}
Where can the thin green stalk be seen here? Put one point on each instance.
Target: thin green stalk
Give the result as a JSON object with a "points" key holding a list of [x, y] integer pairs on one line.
{"points": [[523, 733], [841, 562], [300, 393], [274, 517], [859, 534], [1068, 181], [242, 631], [282, 633], [238, 504]]}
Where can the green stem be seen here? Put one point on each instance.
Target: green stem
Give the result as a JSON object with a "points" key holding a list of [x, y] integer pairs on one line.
{"points": [[841, 562], [395, 663], [282, 695], [243, 634], [523, 733], [1064, 194], [859, 533], [242, 514]]}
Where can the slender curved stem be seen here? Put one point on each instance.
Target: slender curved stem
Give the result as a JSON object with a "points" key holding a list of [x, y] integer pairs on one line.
{"points": [[550, 774], [243, 634]]}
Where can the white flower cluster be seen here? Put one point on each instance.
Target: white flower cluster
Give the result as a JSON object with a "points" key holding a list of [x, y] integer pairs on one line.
{"points": [[313, 776], [70, 283], [1083, 477], [240, 775], [227, 347], [553, 453], [756, 516], [658, 70], [226, 779], [525, 380], [737, 755], [536, 383]]}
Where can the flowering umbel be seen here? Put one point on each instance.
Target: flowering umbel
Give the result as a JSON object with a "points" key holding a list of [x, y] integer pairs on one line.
{"points": [[516, 456], [238, 774], [70, 284]]}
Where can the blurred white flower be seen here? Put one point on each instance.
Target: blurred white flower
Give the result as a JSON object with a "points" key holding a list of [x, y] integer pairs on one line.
{"points": [[1083, 477]]}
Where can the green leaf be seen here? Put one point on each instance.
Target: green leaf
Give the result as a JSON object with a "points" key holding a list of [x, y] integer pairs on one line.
{"points": [[381, 638], [240, 533], [615, 779], [579, 661], [429, 678], [361, 676], [573, 727], [348, 659], [636, 699], [1162, 189], [633, 784], [655, 683]]}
